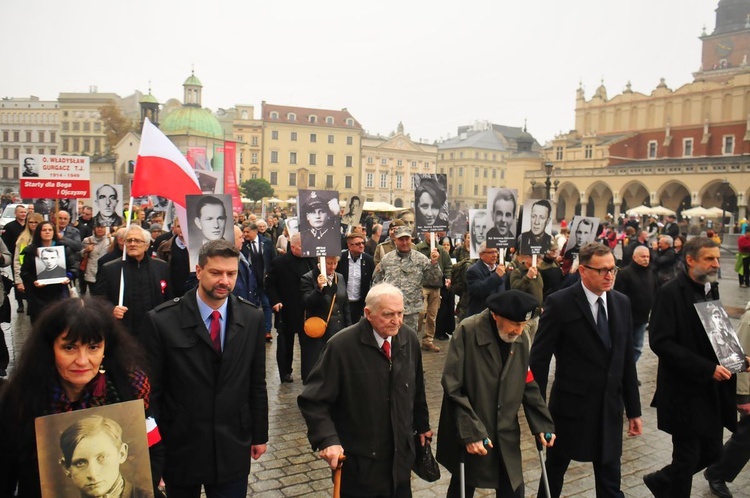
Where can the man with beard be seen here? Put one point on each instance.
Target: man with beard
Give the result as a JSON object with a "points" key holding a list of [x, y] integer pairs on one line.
{"points": [[283, 288], [695, 395], [207, 357]]}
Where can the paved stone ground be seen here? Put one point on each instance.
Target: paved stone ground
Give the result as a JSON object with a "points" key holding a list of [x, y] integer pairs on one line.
{"points": [[290, 468]]}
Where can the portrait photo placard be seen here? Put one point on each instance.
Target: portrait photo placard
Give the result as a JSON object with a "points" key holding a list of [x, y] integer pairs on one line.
{"points": [[209, 218], [107, 203], [722, 336], [352, 213], [502, 209], [90, 452], [431, 202], [536, 230], [479, 223], [320, 223], [582, 231], [50, 265]]}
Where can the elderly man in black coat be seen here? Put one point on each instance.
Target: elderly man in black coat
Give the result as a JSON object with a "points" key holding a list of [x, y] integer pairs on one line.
{"points": [[365, 399], [587, 327], [208, 372], [283, 288]]}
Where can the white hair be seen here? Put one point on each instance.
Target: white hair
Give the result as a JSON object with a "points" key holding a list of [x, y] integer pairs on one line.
{"points": [[377, 292]]}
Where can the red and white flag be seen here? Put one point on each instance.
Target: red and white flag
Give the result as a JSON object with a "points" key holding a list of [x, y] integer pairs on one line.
{"points": [[161, 169]]}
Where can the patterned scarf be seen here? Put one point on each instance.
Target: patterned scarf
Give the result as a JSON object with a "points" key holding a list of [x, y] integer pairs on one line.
{"points": [[140, 388]]}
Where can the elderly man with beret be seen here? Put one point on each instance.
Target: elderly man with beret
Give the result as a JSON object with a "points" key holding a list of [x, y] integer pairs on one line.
{"points": [[485, 381]]}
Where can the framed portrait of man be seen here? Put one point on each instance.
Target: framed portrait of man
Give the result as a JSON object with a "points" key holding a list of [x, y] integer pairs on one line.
{"points": [[320, 223], [502, 209], [582, 231], [479, 224], [352, 213], [100, 451], [209, 218], [536, 230], [50, 265], [431, 202], [722, 336], [107, 204]]}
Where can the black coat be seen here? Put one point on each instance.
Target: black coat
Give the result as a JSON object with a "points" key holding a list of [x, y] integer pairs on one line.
{"points": [[481, 283], [283, 286], [318, 301], [39, 297], [356, 398], [639, 284], [154, 287], [687, 399], [591, 384], [367, 267], [211, 407], [664, 264]]}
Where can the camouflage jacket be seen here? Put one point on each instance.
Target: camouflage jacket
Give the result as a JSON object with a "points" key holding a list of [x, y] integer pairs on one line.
{"points": [[407, 274]]}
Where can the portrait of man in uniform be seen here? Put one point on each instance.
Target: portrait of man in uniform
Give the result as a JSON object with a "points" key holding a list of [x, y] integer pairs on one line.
{"points": [[320, 223]]}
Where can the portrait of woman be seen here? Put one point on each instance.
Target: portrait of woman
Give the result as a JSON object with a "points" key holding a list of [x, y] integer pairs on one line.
{"points": [[429, 203]]}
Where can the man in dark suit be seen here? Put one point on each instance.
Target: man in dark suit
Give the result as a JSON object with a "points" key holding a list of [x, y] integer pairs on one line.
{"points": [[146, 281], [259, 251], [484, 278], [357, 268], [695, 395], [207, 359], [283, 287], [587, 327]]}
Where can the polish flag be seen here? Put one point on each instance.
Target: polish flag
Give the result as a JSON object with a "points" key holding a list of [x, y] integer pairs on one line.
{"points": [[152, 432], [161, 169]]}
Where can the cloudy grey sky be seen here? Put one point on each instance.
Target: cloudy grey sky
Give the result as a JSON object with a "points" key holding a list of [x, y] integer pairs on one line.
{"points": [[434, 65]]}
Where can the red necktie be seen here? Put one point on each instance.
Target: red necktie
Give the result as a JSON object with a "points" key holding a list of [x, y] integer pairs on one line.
{"points": [[215, 330], [387, 349]]}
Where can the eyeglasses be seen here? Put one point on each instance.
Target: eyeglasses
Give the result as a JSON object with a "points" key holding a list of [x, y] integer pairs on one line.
{"points": [[135, 241], [356, 243], [603, 271]]}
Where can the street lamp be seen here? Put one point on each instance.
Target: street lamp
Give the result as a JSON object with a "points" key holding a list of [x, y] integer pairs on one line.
{"points": [[548, 167], [724, 185]]}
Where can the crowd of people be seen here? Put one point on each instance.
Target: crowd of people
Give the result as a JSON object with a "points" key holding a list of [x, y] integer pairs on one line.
{"points": [[191, 342]]}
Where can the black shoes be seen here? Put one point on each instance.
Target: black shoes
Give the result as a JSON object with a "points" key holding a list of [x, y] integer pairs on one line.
{"points": [[20, 309], [718, 487], [269, 337], [656, 484], [287, 379]]}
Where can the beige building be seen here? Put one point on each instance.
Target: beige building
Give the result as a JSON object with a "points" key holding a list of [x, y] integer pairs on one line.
{"points": [[305, 148], [484, 156], [239, 123], [81, 129], [388, 164], [27, 126]]}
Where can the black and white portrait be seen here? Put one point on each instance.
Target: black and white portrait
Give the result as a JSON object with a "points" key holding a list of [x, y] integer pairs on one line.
{"points": [[582, 231], [50, 265], [723, 338], [210, 181], [29, 167], [208, 219], [479, 223], [502, 209], [320, 223], [352, 213], [431, 202], [100, 451], [536, 231], [107, 204]]}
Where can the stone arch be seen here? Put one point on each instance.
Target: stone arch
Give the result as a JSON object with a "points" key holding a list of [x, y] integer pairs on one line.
{"points": [[568, 201], [599, 200], [633, 194], [671, 195]]}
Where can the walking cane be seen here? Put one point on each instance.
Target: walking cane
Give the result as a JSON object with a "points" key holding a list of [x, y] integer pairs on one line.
{"points": [[337, 477], [540, 448], [461, 471]]}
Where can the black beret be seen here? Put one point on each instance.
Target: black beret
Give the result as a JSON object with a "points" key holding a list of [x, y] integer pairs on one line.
{"points": [[513, 304]]}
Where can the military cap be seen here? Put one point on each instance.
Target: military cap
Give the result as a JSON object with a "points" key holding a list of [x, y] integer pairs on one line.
{"points": [[314, 202], [513, 304], [402, 232]]}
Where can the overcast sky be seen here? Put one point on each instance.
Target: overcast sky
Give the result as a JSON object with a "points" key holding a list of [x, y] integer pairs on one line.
{"points": [[435, 65]]}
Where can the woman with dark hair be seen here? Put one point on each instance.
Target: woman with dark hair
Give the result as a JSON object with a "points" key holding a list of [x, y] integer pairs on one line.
{"points": [[40, 295], [445, 323], [63, 367], [430, 201]]}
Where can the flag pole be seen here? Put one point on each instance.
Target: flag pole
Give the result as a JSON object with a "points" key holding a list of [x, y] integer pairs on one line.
{"points": [[124, 253]]}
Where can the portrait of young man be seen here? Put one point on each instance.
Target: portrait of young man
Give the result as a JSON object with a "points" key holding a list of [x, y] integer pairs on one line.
{"points": [[209, 218]]}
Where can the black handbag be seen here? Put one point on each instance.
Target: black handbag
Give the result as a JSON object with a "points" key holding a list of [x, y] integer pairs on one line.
{"points": [[425, 465]]}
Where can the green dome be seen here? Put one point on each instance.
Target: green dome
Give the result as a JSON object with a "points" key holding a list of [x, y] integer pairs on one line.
{"points": [[193, 80], [149, 99], [194, 121]]}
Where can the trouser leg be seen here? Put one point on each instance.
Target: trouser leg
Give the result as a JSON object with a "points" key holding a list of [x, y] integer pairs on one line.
{"points": [[432, 304]]}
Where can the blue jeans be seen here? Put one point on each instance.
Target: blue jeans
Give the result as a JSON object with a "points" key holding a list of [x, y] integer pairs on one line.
{"points": [[639, 332]]}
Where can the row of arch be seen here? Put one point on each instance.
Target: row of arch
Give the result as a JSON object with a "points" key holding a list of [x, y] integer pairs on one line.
{"points": [[600, 200]]}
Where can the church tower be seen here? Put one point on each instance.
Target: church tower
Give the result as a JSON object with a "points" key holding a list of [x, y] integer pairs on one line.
{"points": [[727, 49]]}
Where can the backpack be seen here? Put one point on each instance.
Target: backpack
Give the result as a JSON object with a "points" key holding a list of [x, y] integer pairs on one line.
{"points": [[458, 276]]}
